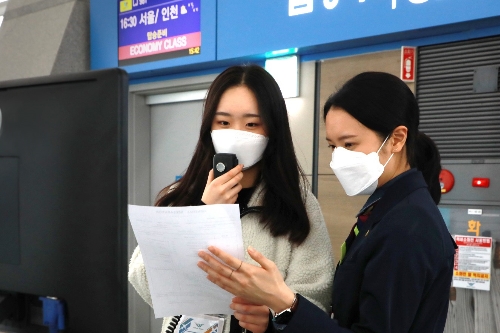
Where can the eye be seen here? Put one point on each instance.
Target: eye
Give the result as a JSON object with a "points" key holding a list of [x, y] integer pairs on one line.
{"points": [[252, 125], [223, 123], [348, 145], [332, 147]]}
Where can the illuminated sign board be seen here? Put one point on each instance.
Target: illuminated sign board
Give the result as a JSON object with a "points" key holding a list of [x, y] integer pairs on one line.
{"points": [[249, 28], [238, 30], [298, 7], [151, 30]]}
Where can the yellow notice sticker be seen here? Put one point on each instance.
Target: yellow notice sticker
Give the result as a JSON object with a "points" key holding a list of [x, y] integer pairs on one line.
{"points": [[125, 5], [476, 275]]}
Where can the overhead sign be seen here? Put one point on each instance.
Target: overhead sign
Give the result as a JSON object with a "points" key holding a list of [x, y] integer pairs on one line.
{"points": [[150, 30], [246, 28], [472, 267], [298, 7]]}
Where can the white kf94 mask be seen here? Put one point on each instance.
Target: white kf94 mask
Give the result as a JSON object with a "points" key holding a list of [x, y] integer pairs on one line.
{"points": [[357, 172], [248, 147]]}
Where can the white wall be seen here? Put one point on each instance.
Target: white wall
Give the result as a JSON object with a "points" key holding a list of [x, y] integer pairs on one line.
{"points": [[301, 117]]}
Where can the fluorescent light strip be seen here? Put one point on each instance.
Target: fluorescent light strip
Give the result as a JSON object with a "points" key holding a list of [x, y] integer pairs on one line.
{"points": [[185, 96]]}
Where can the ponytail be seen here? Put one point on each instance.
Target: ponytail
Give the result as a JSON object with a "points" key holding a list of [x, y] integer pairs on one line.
{"points": [[428, 161]]}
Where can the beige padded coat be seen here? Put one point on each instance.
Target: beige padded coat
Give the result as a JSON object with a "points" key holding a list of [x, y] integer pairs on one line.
{"points": [[307, 269]]}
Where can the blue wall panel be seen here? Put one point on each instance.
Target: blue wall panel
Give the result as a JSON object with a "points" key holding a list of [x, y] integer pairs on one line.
{"points": [[103, 34], [236, 31], [254, 27]]}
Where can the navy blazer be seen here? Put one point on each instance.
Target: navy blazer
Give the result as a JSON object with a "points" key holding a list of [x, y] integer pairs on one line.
{"points": [[396, 275]]}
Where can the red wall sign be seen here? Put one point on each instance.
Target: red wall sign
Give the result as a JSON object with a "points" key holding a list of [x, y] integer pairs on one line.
{"points": [[408, 54]]}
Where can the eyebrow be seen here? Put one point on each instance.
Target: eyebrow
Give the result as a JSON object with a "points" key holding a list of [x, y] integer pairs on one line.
{"points": [[347, 136], [246, 115], [343, 137]]}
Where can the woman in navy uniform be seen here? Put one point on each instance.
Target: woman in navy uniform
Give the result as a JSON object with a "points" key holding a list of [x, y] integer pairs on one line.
{"points": [[397, 262]]}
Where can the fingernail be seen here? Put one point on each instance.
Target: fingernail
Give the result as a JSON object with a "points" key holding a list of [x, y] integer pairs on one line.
{"points": [[251, 249]]}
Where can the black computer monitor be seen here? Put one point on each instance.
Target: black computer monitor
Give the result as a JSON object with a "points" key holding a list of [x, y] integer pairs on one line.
{"points": [[63, 200]]}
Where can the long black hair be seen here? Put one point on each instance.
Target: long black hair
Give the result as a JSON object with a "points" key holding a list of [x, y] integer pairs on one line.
{"points": [[283, 210], [382, 102]]}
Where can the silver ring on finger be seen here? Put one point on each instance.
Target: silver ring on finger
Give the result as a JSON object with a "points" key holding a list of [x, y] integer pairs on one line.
{"points": [[241, 263]]}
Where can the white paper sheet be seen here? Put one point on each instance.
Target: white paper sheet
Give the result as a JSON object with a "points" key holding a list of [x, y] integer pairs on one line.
{"points": [[170, 238]]}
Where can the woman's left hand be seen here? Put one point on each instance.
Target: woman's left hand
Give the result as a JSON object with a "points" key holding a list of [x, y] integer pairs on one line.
{"points": [[253, 317], [258, 285]]}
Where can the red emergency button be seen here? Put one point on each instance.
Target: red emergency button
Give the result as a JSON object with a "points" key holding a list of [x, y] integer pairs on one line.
{"points": [[480, 182], [446, 180]]}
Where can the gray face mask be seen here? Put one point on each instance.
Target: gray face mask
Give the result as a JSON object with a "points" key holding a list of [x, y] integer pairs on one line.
{"points": [[358, 173], [248, 147]]}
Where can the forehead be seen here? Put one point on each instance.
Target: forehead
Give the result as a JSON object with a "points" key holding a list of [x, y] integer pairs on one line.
{"points": [[238, 99], [339, 123]]}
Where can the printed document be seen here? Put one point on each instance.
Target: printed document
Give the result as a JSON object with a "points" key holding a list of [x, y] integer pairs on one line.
{"points": [[169, 239]]}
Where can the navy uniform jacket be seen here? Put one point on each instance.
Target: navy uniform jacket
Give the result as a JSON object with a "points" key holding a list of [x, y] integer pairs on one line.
{"points": [[396, 275]]}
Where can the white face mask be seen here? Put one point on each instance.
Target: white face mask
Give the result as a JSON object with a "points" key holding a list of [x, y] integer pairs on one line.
{"points": [[357, 172], [247, 146]]}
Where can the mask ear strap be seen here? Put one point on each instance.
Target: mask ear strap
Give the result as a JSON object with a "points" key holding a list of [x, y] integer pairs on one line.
{"points": [[383, 143], [388, 159]]}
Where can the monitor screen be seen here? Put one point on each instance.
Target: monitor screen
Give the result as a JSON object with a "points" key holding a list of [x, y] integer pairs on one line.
{"points": [[63, 199], [157, 29]]}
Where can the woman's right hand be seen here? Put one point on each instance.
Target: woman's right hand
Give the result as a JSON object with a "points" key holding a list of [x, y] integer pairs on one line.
{"points": [[223, 189], [253, 317], [258, 284]]}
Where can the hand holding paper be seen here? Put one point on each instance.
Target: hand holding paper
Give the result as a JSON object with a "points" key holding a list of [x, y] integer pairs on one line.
{"points": [[170, 238]]}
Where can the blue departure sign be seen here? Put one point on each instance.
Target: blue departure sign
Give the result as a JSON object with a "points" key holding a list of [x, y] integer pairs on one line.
{"points": [[299, 7]]}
